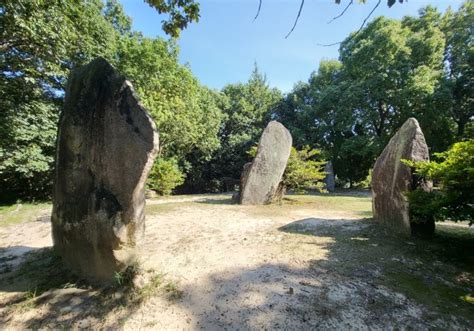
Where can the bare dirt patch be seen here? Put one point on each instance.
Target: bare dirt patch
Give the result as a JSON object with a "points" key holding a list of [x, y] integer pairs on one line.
{"points": [[312, 262]]}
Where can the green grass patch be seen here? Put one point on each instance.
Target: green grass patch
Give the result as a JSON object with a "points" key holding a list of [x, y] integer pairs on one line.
{"points": [[23, 212], [152, 209], [432, 292], [355, 205], [331, 202]]}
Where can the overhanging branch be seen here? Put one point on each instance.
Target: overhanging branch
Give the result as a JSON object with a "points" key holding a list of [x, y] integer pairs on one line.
{"points": [[297, 18], [258, 11], [342, 13]]}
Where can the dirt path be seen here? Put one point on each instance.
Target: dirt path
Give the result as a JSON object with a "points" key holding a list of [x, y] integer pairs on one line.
{"points": [[240, 268]]}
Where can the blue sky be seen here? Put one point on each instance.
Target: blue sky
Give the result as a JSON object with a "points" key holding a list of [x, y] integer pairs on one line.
{"points": [[224, 45]]}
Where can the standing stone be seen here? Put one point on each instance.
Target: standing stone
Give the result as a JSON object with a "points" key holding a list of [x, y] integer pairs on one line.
{"points": [[261, 179], [106, 146], [243, 178], [329, 180], [391, 179]]}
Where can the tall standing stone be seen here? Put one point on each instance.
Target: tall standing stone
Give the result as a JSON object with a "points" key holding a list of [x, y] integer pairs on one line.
{"points": [[329, 180], [260, 182], [106, 146], [391, 179]]}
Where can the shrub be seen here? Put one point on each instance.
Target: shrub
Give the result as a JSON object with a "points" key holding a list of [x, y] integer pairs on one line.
{"points": [[304, 169], [165, 176], [454, 176]]}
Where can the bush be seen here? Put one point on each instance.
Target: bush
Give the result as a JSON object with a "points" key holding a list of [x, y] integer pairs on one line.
{"points": [[304, 169], [454, 176], [165, 176]]}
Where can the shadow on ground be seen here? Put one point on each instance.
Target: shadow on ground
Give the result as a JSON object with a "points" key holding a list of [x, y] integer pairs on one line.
{"points": [[436, 272], [63, 300], [367, 278]]}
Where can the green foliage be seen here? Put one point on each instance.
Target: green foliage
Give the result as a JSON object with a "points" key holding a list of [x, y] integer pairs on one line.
{"points": [[180, 14], [246, 109], [390, 70], [458, 85], [36, 56], [304, 170], [454, 174], [125, 277], [165, 176], [185, 113], [387, 72]]}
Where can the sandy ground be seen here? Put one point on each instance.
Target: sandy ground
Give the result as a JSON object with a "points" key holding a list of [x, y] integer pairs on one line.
{"points": [[238, 268]]}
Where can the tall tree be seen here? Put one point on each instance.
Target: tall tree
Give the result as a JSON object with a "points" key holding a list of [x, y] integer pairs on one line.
{"points": [[459, 60], [246, 109], [40, 42]]}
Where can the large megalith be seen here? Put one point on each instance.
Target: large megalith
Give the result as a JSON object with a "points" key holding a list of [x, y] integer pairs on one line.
{"points": [[391, 180], [261, 179], [106, 146]]}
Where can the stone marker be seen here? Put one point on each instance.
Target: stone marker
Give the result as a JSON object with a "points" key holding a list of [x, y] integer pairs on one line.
{"points": [[106, 146], [261, 178], [391, 179], [329, 180]]}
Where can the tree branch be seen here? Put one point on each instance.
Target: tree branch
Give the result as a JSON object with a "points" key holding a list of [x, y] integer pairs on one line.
{"points": [[258, 11], [297, 18], [342, 13], [360, 28], [368, 16], [329, 45]]}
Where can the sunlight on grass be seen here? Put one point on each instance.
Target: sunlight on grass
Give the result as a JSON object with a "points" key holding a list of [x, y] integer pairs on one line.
{"points": [[333, 202], [358, 206], [23, 212]]}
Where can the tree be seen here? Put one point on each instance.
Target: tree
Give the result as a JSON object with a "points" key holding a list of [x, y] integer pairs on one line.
{"points": [[304, 170], [387, 72], [36, 56], [458, 85], [246, 109], [181, 13], [165, 176], [186, 114]]}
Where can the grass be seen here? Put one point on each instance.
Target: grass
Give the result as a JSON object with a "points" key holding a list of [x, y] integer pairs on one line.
{"points": [[151, 209], [436, 272], [332, 202], [174, 293], [23, 212], [355, 205]]}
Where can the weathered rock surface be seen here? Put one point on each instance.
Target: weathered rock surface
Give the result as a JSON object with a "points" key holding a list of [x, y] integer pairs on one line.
{"points": [[261, 178], [329, 180], [106, 146], [391, 179]]}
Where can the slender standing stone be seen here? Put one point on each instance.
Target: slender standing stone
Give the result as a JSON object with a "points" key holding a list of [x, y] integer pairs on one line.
{"points": [[261, 179], [329, 180]]}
